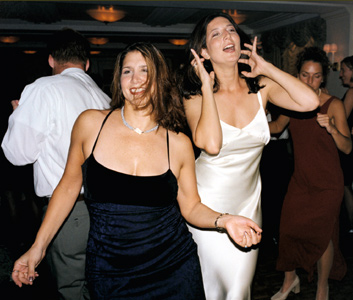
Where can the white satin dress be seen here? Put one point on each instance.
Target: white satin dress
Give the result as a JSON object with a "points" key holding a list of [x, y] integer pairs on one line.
{"points": [[230, 182]]}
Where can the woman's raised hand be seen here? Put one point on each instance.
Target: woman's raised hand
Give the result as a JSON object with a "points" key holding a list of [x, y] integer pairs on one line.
{"points": [[205, 77], [255, 61]]}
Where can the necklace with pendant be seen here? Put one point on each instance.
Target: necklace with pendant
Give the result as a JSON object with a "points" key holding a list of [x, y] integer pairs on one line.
{"points": [[137, 130]]}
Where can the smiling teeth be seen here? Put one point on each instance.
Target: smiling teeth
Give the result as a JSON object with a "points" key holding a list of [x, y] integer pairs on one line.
{"points": [[228, 47], [137, 90]]}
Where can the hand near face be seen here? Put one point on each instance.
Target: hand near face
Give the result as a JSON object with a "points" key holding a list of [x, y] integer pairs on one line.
{"points": [[255, 61], [205, 77]]}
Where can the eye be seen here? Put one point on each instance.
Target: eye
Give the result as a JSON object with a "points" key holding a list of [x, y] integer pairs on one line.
{"points": [[126, 71]]}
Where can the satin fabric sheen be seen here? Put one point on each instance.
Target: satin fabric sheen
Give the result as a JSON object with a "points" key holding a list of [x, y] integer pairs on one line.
{"points": [[230, 182]]}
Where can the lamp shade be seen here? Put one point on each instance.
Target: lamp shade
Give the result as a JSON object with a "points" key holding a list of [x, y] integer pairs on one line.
{"points": [[106, 15], [327, 48], [333, 47]]}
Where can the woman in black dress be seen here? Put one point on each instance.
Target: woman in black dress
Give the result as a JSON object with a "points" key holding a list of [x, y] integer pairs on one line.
{"points": [[138, 173]]}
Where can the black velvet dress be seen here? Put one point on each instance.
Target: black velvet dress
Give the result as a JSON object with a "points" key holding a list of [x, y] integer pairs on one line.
{"points": [[139, 246]]}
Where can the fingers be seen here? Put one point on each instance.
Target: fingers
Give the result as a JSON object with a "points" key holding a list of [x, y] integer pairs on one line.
{"points": [[250, 238], [197, 60], [31, 273], [20, 277], [15, 278]]}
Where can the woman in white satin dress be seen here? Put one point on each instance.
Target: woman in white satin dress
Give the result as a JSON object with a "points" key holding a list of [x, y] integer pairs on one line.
{"points": [[225, 108]]}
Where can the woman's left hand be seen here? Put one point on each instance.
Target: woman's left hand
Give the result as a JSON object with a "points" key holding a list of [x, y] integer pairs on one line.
{"points": [[255, 61], [325, 121], [242, 230]]}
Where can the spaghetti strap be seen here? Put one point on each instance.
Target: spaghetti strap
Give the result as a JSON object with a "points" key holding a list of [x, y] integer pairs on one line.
{"points": [[105, 119], [168, 148]]}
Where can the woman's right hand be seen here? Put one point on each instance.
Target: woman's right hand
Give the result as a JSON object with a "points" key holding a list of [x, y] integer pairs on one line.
{"points": [[24, 268], [205, 77]]}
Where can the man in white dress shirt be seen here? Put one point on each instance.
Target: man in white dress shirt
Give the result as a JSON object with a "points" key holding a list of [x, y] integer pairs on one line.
{"points": [[39, 133]]}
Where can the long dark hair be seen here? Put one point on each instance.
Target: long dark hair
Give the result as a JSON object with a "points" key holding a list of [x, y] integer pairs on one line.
{"points": [[161, 91], [189, 82]]}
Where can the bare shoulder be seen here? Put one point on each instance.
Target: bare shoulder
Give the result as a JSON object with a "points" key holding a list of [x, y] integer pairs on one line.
{"points": [[181, 143], [349, 95], [89, 122], [89, 118], [194, 100], [335, 105]]}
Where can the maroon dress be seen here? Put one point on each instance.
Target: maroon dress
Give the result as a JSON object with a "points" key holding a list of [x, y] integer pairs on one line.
{"points": [[310, 213]]}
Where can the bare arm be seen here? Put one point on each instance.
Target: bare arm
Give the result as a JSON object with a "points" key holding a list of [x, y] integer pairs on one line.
{"points": [[348, 102], [279, 124], [335, 123], [243, 231], [202, 113], [281, 88], [60, 205]]}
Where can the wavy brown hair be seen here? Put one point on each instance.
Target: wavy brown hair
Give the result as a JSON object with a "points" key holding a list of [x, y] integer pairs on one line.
{"points": [[161, 91]]}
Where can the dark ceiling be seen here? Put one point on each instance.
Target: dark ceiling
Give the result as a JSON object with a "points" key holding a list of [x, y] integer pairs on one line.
{"points": [[154, 21]]}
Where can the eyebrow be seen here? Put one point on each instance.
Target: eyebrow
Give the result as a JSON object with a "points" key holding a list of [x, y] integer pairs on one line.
{"points": [[217, 28]]}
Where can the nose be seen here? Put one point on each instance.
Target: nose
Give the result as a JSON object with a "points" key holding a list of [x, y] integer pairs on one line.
{"points": [[226, 34], [135, 78]]}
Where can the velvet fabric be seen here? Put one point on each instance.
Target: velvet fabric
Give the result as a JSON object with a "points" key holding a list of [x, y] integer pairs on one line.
{"points": [[139, 246]]}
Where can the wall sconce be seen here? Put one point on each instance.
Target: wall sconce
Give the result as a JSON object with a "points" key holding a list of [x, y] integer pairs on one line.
{"points": [[332, 48], [106, 15], [178, 42], [98, 40]]}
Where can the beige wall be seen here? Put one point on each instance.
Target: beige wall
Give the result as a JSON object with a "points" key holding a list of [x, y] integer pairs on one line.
{"points": [[339, 28]]}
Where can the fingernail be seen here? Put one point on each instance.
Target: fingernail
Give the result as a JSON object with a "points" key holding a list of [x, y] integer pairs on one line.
{"points": [[31, 279]]}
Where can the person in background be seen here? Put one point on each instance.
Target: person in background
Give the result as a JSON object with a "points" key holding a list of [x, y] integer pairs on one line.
{"points": [[39, 133], [138, 171], [225, 103], [346, 76], [309, 229]]}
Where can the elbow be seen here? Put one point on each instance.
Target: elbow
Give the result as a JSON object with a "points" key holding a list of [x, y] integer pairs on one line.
{"points": [[347, 149], [212, 148], [313, 102]]}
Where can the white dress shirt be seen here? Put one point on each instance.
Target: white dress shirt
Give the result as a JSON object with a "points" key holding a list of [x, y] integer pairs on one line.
{"points": [[39, 129]]}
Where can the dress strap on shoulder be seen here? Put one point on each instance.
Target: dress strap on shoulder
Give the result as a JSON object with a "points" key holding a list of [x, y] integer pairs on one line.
{"points": [[105, 119], [259, 97], [168, 148]]}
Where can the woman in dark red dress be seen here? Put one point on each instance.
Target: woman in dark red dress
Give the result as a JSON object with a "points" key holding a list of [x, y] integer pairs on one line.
{"points": [[310, 215]]}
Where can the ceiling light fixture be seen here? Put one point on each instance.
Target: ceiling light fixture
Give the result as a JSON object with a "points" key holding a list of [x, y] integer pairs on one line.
{"points": [[178, 42], [238, 18], [9, 39], [98, 40], [29, 51], [106, 14]]}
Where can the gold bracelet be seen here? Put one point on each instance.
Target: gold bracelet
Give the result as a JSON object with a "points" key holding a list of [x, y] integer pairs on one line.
{"points": [[220, 229]]}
